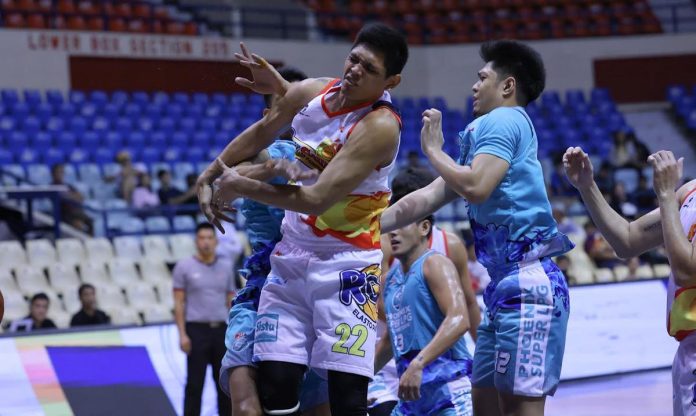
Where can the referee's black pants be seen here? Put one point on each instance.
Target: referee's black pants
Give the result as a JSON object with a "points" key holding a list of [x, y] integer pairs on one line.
{"points": [[207, 347]]}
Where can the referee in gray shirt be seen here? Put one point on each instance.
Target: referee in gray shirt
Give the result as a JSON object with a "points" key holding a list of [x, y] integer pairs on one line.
{"points": [[203, 289]]}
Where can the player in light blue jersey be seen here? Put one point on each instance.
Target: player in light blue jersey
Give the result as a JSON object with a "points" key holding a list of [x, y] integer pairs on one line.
{"points": [[237, 375], [521, 340], [426, 319]]}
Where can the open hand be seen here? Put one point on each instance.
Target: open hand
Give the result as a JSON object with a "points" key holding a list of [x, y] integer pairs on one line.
{"points": [[667, 172], [578, 168], [265, 78], [410, 382], [432, 138]]}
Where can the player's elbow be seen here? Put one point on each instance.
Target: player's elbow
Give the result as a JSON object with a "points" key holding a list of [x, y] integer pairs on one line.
{"points": [[475, 194], [684, 275], [317, 203]]}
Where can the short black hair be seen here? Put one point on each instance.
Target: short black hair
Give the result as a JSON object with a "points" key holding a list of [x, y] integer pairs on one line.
{"points": [[39, 296], [161, 173], [205, 226], [409, 180], [290, 74], [84, 287], [55, 167], [388, 41], [512, 58]]}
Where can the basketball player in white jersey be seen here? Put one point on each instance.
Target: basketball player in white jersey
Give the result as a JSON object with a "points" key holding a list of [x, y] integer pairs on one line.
{"points": [[672, 224], [318, 306], [382, 393]]}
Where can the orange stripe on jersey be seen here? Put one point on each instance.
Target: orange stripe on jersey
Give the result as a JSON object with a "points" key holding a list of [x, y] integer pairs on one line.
{"points": [[328, 86], [343, 110], [687, 196]]}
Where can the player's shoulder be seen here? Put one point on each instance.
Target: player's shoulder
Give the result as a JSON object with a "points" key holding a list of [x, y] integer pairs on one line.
{"points": [[685, 190], [302, 92], [381, 121], [434, 262], [504, 117]]}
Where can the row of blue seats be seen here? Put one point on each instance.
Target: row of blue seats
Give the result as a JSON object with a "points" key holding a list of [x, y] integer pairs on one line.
{"points": [[683, 102], [34, 97]]}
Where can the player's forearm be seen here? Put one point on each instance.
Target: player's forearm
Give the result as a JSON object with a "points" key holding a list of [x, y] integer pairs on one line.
{"points": [[613, 226], [474, 317], [453, 327], [290, 197], [179, 318], [248, 144], [460, 179], [260, 172], [416, 206], [680, 251]]}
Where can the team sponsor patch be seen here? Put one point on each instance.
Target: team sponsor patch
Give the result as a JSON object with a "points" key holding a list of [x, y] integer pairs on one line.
{"points": [[361, 289], [267, 328], [242, 340]]}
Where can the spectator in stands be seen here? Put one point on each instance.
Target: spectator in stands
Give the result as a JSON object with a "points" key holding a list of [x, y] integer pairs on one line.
{"points": [[204, 285], [644, 197], [559, 185], [563, 263], [37, 318], [565, 225], [620, 202], [414, 160], [127, 178], [628, 151], [605, 177], [143, 196], [89, 314], [71, 205], [598, 249], [168, 193], [633, 263]]}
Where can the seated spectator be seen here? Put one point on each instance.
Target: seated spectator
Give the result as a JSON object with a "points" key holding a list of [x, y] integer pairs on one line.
{"points": [[37, 318], [71, 205], [620, 202], [644, 197], [414, 160], [628, 151], [167, 193], [598, 249], [559, 184], [565, 224], [632, 264], [605, 177], [127, 178], [89, 314], [143, 196], [563, 263]]}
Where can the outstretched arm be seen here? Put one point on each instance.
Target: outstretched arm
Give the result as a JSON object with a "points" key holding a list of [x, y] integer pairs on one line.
{"points": [[628, 239], [372, 144], [680, 251], [417, 205]]}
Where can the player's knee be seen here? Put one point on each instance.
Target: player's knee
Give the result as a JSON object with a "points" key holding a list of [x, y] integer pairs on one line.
{"points": [[279, 387], [348, 394]]}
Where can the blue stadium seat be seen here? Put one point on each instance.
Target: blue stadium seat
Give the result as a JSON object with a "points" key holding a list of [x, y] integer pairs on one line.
{"points": [[66, 110], [575, 97], [629, 177], [184, 223], [132, 225], [182, 169], [180, 98], [31, 125], [26, 156], [43, 111], [88, 110], [195, 154], [110, 111], [145, 124], [157, 224], [233, 110], [167, 125], [89, 140], [123, 125], [119, 98], [99, 98], [195, 111], [77, 97], [237, 98], [55, 124], [222, 139], [175, 110], [158, 140], [228, 125], [65, 140], [172, 154], [19, 111], [79, 155], [41, 140], [179, 139], [187, 124], [17, 139], [104, 155], [219, 98], [200, 98], [9, 97], [154, 111], [55, 97], [160, 98], [16, 170], [213, 111], [208, 125], [89, 173], [113, 140], [39, 174], [6, 158], [202, 138], [599, 95], [150, 155], [32, 97], [7, 124], [52, 156], [136, 139], [78, 125], [140, 97], [132, 109]]}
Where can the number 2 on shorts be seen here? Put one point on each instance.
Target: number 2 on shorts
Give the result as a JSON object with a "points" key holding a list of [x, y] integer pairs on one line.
{"points": [[345, 331]]}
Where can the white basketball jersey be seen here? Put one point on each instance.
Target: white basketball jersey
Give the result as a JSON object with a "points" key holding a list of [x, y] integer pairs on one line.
{"points": [[353, 222]]}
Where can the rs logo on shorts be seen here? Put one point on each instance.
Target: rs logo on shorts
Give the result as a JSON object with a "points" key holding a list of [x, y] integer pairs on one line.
{"points": [[361, 287], [267, 328]]}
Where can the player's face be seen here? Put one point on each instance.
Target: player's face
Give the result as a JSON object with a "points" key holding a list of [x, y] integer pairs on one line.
{"points": [[405, 240], [364, 75], [487, 91], [206, 242]]}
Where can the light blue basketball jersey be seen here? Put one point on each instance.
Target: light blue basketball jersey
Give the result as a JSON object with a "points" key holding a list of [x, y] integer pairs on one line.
{"points": [[413, 315], [515, 223], [263, 221]]}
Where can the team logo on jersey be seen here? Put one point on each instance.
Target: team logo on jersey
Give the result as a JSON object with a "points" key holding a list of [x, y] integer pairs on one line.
{"points": [[361, 287], [398, 298], [242, 340], [317, 158]]}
